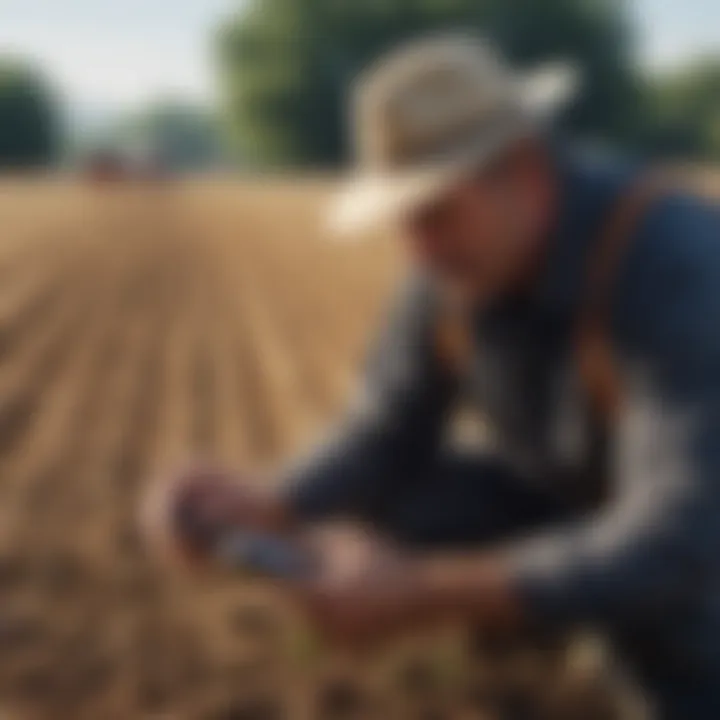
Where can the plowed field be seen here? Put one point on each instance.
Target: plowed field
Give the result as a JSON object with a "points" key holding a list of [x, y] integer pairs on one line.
{"points": [[140, 327]]}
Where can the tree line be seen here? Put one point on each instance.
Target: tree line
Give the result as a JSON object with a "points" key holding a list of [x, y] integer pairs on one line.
{"points": [[29, 125], [286, 66]]}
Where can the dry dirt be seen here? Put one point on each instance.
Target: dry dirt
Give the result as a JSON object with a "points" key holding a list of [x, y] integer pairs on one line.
{"points": [[139, 327]]}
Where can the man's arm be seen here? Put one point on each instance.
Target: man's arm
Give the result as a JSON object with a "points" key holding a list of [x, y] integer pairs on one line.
{"points": [[653, 549], [390, 438], [393, 430]]}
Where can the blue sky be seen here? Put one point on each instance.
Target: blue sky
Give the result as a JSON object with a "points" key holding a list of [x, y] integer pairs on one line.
{"points": [[672, 30], [119, 53], [116, 52]]}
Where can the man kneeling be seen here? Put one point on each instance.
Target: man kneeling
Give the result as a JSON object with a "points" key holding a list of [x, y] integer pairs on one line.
{"points": [[576, 305]]}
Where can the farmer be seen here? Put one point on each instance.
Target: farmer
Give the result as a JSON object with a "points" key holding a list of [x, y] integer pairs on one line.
{"points": [[575, 303]]}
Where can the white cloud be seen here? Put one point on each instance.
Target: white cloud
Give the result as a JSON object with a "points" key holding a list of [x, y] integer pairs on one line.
{"points": [[672, 32], [120, 54], [114, 69]]}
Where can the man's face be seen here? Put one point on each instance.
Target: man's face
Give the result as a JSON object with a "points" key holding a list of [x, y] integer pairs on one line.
{"points": [[483, 233]]}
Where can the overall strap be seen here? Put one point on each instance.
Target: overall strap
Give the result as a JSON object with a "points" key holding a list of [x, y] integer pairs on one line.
{"points": [[594, 352], [453, 337], [595, 357]]}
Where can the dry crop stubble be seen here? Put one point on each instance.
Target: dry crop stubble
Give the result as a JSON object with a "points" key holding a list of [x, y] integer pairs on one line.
{"points": [[142, 325]]}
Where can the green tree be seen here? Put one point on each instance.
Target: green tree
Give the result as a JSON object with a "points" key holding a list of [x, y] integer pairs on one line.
{"points": [[29, 127], [180, 134], [287, 65], [686, 117]]}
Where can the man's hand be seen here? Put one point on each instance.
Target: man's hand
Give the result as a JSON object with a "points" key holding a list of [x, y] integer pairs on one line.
{"points": [[183, 513], [368, 590], [364, 587]]}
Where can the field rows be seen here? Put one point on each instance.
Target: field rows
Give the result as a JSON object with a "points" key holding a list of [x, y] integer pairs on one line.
{"points": [[141, 327]]}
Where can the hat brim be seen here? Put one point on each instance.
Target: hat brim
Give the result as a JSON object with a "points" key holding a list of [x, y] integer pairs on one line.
{"points": [[371, 200]]}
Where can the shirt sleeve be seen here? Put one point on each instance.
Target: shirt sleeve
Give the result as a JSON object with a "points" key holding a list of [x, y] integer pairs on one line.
{"points": [[393, 429], [653, 548]]}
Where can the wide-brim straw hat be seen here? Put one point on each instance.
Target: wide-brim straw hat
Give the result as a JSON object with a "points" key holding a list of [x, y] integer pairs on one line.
{"points": [[432, 112]]}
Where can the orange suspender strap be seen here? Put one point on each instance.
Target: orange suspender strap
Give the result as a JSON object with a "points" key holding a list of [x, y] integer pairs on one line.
{"points": [[594, 351], [453, 338], [593, 343]]}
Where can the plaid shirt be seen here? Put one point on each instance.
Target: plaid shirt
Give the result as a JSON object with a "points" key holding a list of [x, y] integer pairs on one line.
{"points": [[646, 564]]}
